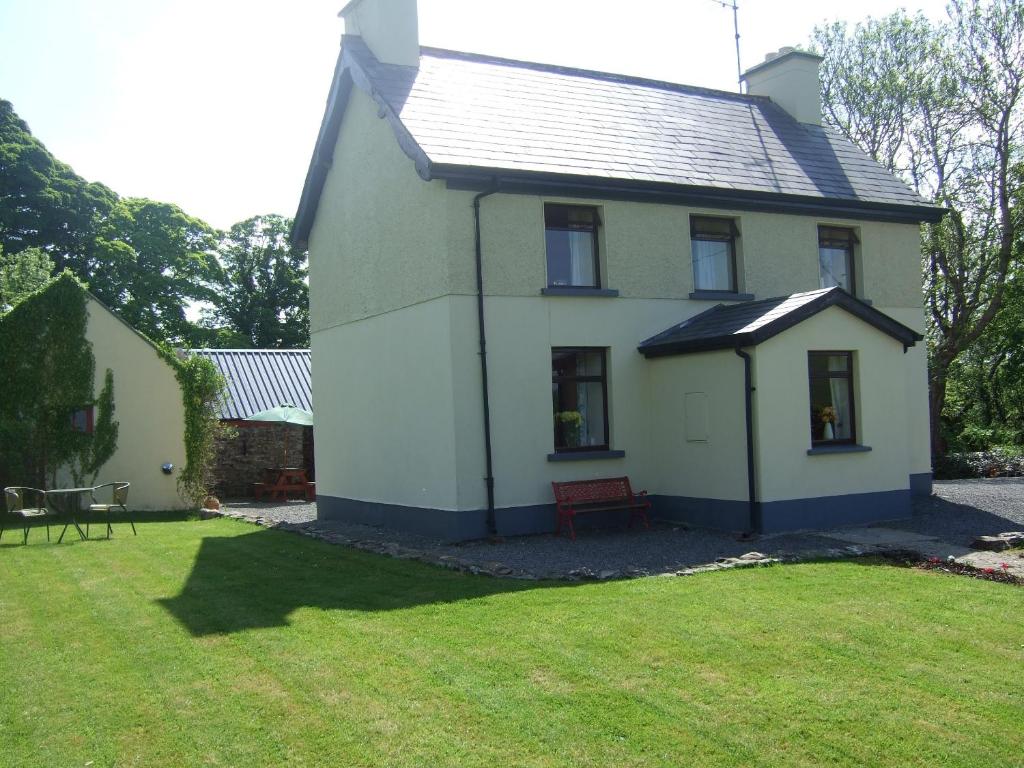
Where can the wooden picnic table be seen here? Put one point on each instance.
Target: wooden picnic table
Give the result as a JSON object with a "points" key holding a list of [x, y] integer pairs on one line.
{"points": [[278, 482]]}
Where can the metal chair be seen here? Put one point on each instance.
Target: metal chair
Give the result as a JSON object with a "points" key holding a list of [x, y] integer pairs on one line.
{"points": [[14, 496], [119, 500]]}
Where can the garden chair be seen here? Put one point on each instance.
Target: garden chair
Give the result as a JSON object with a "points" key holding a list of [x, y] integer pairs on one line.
{"points": [[119, 500], [15, 497]]}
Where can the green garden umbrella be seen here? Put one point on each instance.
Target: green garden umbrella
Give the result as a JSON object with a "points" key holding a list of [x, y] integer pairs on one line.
{"points": [[284, 414]]}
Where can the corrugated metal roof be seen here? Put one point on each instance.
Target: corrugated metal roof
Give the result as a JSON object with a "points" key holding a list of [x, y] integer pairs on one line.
{"points": [[258, 379]]}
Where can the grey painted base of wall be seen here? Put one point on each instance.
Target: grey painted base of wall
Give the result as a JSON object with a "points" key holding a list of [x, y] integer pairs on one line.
{"points": [[835, 511], [921, 484], [777, 516], [451, 525], [444, 524], [717, 514], [788, 515]]}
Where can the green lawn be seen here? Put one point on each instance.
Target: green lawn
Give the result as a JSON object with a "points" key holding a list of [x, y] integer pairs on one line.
{"points": [[218, 643]]}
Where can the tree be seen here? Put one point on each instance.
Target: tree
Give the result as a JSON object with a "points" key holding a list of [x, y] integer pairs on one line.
{"points": [[21, 274], [940, 105], [166, 262], [146, 260], [45, 204], [263, 299]]}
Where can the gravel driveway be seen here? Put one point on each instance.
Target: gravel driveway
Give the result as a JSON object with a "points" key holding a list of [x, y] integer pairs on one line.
{"points": [[959, 511]]}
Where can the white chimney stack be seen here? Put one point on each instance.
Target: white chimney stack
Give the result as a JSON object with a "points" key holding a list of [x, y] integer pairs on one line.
{"points": [[790, 79], [388, 27]]}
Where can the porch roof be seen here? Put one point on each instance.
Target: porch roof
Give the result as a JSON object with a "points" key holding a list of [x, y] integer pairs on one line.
{"points": [[750, 323]]}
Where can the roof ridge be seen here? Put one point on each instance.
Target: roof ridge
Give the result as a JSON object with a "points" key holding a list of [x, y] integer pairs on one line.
{"points": [[592, 74]]}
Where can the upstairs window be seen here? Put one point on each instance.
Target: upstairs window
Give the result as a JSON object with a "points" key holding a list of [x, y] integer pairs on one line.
{"points": [[832, 414], [835, 257], [579, 395], [82, 420], [713, 242], [570, 236]]}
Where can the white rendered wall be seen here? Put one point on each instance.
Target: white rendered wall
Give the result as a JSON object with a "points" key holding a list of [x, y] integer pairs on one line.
{"points": [[385, 420], [148, 408], [885, 421], [395, 339]]}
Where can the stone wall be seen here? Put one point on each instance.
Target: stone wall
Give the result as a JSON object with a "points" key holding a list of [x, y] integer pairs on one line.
{"points": [[242, 458]]}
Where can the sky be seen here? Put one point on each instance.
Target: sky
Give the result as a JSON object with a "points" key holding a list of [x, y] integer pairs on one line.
{"points": [[215, 104]]}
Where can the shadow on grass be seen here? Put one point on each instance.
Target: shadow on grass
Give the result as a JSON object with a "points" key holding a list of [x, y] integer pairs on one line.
{"points": [[258, 579]]}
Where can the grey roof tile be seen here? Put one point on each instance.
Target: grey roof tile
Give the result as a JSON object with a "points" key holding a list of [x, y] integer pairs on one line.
{"points": [[479, 113]]}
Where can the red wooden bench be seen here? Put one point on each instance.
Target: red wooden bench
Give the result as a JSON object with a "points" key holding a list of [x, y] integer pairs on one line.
{"points": [[602, 495]]}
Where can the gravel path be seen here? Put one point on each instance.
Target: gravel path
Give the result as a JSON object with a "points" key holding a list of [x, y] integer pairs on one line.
{"points": [[959, 511], [280, 511]]}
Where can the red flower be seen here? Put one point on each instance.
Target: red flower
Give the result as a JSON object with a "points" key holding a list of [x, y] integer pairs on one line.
{"points": [[989, 570], [1005, 566], [934, 560]]}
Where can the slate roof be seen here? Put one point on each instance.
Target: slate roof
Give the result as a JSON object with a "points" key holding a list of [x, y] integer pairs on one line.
{"points": [[460, 113], [750, 323], [258, 379]]}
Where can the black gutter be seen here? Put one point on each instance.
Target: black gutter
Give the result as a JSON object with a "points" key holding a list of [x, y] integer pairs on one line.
{"points": [[540, 183], [492, 528], [748, 397]]}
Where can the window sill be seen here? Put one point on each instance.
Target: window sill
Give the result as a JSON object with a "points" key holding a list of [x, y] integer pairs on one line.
{"points": [[823, 450], [557, 290], [721, 296], [585, 455]]}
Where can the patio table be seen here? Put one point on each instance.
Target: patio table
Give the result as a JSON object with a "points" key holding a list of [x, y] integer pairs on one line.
{"points": [[69, 504], [278, 482]]}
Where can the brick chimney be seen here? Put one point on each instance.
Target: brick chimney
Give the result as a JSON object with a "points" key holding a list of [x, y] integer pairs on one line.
{"points": [[388, 27], [790, 79]]}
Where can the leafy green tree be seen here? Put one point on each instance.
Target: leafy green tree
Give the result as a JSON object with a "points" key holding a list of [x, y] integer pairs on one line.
{"points": [[940, 105], [166, 262], [262, 298], [45, 204], [102, 443], [146, 260], [21, 274]]}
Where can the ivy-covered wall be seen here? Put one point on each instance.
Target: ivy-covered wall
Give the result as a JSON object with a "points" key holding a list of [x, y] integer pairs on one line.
{"points": [[47, 373], [163, 402]]}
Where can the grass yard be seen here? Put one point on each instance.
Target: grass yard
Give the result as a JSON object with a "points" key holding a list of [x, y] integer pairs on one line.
{"points": [[218, 643]]}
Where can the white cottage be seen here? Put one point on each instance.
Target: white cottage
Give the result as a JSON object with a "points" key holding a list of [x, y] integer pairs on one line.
{"points": [[522, 273]]}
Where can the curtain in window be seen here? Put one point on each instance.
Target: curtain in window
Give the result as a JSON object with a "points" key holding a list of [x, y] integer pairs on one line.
{"points": [[711, 266], [833, 263], [581, 257], [835, 257], [840, 392], [713, 242]]}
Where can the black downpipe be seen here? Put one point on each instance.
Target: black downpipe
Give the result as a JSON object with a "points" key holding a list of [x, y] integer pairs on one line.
{"points": [[748, 398], [492, 528]]}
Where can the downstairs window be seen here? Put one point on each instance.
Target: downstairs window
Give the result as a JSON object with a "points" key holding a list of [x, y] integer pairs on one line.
{"points": [[579, 397], [832, 404]]}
